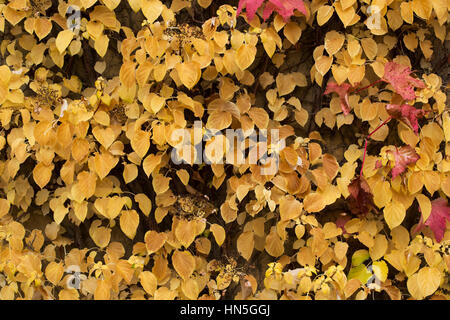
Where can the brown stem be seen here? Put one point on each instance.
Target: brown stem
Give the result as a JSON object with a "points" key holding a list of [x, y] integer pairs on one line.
{"points": [[365, 144]]}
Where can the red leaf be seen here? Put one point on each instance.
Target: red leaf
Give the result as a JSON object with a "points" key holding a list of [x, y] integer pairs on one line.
{"points": [[440, 212], [403, 157], [283, 7], [342, 90], [406, 113], [361, 199], [250, 7], [341, 221], [399, 77]]}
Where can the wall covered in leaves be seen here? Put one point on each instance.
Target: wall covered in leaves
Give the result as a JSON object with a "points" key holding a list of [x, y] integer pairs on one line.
{"points": [[99, 201]]}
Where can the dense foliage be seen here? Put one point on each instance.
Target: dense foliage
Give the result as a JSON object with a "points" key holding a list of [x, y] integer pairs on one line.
{"points": [[94, 94]]}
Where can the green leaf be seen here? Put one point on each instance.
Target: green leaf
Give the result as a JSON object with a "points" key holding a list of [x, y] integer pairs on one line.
{"points": [[359, 257]]}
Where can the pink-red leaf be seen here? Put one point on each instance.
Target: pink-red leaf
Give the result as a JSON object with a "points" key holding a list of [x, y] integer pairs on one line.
{"points": [[250, 7], [285, 8], [406, 113], [399, 77], [403, 157], [360, 200], [342, 90], [440, 214]]}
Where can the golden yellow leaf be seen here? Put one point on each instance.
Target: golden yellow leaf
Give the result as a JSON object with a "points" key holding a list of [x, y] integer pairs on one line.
{"points": [[140, 142], [394, 213], [184, 263], [422, 8], [54, 272], [313, 202], [42, 174], [185, 232], [4, 207], [428, 279], [259, 117], [333, 42], [145, 204], [151, 9], [290, 208], [324, 14], [246, 244], [129, 221], [274, 244], [190, 289], [102, 290], [218, 232], [100, 235], [148, 282], [154, 241], [68, 294], [42, 27], [189, 73], [323, 64], [245, 56], [127, 73], [101, 45], [63, 40], [292, 31]]}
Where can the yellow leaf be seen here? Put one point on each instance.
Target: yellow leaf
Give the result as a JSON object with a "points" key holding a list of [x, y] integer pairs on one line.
{"points": [[103, 290], [150, 163], [54, 272], [130, 172], [105, 136], [148, 282], [160, 183], [414, 288], [423, 8], [324, 14], [189, 73], [4, 207], [68, 294], [42, 174], [145, 204], [151, 9], [394, 213], [333, 42], [154, 241], [313, 202], [63, 40], [101, 45], [190, 289], [425, 206], [292, 31], [127, 73], [429, 280], [290, 208], [183, 263], [129, 221], [245, 56], [380, 269], [204, 3], [100, 235], [140, 142], [323, 64], [274, 244], [259, 117], [185, 232], [42, 27], [218, 232], [245, 244]]}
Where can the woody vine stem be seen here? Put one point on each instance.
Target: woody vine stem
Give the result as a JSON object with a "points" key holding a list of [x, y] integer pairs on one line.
{"points": [[366, 139]]}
